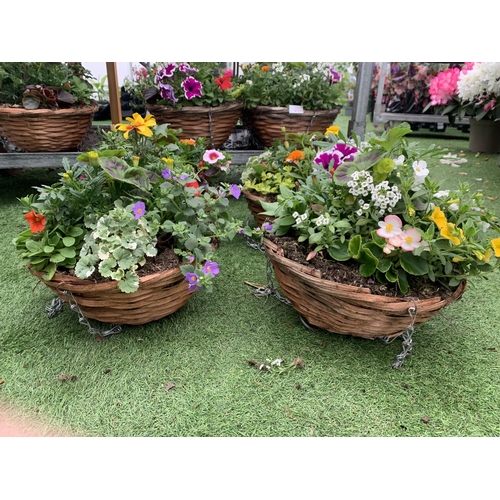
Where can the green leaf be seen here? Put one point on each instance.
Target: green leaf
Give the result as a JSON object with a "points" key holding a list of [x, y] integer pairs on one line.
{"points": [[403, 281], [68, 241], [57, 258], [355, 246], [48, 249], [369, 263], [68, 253], [339, 252], [414, 264], [50, 270], [129, 283]]}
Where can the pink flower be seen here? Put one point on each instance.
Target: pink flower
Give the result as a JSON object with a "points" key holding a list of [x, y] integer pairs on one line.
{"points": [[212, 156], [444, 86], [410, 239], [390, 227], [490, 105]]}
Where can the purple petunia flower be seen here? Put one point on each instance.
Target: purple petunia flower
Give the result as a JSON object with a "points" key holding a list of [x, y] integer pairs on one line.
{"points": [[235, 191], [139, 209], [193, 279], [267, 227], [211, 268], [192, 87], [167, 92], [332, 158], [165, 72], [335, 77], [185, 69], [167, 173]]}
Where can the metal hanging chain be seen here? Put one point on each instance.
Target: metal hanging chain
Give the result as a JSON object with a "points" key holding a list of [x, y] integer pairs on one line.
{"points": [[210, 127], [57, 305], [311, 122], [407, 343]]}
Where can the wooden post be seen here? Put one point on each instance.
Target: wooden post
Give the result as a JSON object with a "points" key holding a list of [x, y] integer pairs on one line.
{"points": [[114, 93]]}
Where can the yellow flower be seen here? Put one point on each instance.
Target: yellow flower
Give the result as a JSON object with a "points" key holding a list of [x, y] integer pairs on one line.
{"points": [[487, 255], [438, 218], [66, 175], [139, 124], [411, 210], [93, 158], [333, 129], [135, 160], [457, 259], [449, 231], [168, 161], [495, 243], [478, 254]]}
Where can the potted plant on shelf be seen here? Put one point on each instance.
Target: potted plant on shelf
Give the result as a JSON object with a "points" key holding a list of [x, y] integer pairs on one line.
{"points": [[197, 98], [128, 234], [45, 106], [302, 97], [365, 238], [474, 91]]}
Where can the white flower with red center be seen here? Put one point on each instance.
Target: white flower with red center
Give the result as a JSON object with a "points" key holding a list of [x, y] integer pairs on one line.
{"points": [[212, 156], [390, 227]]}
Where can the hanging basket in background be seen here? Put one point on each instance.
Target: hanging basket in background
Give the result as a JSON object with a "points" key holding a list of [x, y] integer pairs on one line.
{"points": [[215, 123], [159, 295], [346, 309], [46, 130], [266, 122], [253, 203]]}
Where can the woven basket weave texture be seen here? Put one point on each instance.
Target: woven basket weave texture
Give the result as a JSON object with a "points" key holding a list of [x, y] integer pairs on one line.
{"points": [[46, 130], [159, 295], [346, 309], [266, 122], [253, 203], [215, 123]]}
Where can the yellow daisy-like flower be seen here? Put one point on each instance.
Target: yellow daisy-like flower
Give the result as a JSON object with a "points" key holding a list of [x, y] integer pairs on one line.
{"points": [[168, 161], [495, 243], [139, 124], [332, 129], [449, 231], [438, 218]]}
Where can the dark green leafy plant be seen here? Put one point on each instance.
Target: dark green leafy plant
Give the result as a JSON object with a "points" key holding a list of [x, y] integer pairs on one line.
{"points": [[34, 85]]}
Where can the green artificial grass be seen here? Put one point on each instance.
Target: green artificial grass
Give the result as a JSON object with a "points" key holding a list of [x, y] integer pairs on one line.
{"points": [[449, 386]]}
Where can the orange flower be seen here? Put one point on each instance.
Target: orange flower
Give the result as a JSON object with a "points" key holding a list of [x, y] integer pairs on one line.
{"points": [[265, 68], [36, 221], [224, 82], [189, 142], [295, 155]]}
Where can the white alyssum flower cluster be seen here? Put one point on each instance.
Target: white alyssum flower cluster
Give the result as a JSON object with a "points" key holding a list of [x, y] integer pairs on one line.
{"points": [[383, 196], [482, 78], [299, 217]]}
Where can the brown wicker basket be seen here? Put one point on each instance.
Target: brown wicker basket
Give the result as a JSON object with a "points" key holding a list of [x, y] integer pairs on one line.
{"points": [[346, 309], [46, 130], [253, 202], [266, 122], [159, 295], [215, 123]]}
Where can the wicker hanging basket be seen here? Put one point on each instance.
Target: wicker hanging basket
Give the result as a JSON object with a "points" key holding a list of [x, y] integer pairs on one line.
{"points": [[266, 122], [346, 309], [215, 123], [159, 295], [46, 130], [253, 203]]}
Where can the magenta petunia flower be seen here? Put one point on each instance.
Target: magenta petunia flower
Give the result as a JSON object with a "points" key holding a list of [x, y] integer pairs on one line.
{"points": [[167, 92], [139, 209], [335, 77], [324, 158], [211, 268], [235, 191], [192, 87], [334, 157], [185, 69], [165, 72], [212, 156]]}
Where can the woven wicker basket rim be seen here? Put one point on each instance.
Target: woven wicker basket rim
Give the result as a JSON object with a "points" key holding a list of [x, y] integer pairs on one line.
{"points": [[63, 281], [228, 106], [284, 110], [299, 270], [19, 111]]}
